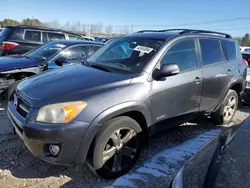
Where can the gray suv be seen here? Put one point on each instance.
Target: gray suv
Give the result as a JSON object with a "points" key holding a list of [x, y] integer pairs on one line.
{"points": [[104, 110]]}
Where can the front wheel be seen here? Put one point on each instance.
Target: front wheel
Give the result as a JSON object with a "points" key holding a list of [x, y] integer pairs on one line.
{"points": [[225, 114], [116, 148]]}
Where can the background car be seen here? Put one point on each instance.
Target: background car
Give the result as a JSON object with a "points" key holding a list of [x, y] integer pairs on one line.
{"points": [[245, 49], [48, 56], [21, 39], [88, 38]]}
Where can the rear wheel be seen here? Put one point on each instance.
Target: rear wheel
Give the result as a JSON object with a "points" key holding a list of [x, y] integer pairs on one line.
{"points": [[226, 112], [116, 148]]}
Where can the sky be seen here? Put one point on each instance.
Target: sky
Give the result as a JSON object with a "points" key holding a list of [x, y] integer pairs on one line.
{"points": [[232, 16]]}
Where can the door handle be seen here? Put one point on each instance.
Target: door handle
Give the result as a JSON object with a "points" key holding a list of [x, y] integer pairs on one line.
{"points": [[197, 80], [229, 72]]}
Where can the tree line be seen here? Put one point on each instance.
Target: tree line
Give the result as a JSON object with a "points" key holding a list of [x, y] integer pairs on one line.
{"points": [[244, 41], [77, 27], [93, 29]]}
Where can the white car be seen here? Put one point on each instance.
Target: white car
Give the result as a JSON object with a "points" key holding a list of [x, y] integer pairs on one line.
{"points": [[245, 49]]}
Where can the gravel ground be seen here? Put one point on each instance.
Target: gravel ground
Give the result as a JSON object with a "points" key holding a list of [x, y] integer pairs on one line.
{"points": [[18, 168]]}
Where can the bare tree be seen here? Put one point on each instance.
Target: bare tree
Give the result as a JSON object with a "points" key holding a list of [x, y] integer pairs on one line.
{"points": [[109, 29], [124, 29], [99, 27], [54, 24]]}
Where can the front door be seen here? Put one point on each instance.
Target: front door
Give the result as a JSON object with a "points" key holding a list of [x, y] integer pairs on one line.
{"points": [[180, 94]]}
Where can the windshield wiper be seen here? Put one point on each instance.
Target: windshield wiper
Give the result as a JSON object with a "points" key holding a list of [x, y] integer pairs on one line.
{"points": [[101, 67]]}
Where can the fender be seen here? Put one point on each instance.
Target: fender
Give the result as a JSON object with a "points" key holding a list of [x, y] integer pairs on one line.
{"points": [[230, 85], [104, 116]]}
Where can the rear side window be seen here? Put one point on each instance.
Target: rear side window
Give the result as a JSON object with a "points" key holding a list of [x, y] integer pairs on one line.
{"points": [[32, 35], [230, 50], [210, 51], [56, 36], [74, 37]]}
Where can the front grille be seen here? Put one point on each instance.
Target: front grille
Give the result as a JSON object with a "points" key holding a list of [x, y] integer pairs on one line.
{"points": [[21, 106]]}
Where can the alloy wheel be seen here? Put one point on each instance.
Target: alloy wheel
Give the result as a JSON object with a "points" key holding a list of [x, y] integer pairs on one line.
{"points": [[230, 108], [120, 149]]}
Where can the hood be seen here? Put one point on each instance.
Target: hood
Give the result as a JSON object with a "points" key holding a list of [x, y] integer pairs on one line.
{"points": [[16, 62], [69, 84]]}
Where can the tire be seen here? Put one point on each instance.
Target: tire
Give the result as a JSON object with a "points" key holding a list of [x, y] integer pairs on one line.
{"points": [[222, 115], [119, 140]]}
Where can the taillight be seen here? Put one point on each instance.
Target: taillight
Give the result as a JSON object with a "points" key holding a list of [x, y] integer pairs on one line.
{"points": [[245, 62], [9, 45]]}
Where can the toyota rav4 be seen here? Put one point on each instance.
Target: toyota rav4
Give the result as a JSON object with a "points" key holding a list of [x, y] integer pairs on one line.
{"points": [[104, 110]]}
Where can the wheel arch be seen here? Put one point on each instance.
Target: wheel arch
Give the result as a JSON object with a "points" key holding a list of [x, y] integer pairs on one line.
{"points": [[135, 110], [237, 86]]}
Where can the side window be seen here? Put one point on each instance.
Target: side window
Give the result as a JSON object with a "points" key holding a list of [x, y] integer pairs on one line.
{"points": [[75, 53], [210, 51], [230, 49], [74, 37], [56, 36], [183, 54], [44, 37], [32, 35]]}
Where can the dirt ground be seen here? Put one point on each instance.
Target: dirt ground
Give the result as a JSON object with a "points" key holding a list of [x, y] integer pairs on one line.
{"points": [[18, 168]]}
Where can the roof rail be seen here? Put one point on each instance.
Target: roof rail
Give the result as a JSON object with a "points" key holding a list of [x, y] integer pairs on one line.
{"points": [[183, 31], [205, 32]]}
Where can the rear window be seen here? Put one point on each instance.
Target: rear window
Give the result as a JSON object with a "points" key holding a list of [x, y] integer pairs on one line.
{"points": [[230, 50], [56, 36], [4, 33], [32, 35], [211, 51]]}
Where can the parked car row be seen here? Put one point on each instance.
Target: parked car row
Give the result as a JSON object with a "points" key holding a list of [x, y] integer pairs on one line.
{"points": [[45, 57], [109, 105], [21, 39]]}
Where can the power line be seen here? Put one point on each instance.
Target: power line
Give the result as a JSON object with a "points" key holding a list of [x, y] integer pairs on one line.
{"points": [[194, 23]]}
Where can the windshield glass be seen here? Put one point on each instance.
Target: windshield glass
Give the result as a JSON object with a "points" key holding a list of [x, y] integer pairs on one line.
{"points": [[45, 51], [126, 54]]}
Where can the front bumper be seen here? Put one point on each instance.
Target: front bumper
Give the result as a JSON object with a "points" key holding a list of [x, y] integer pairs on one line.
{"points": [[38, 137]]}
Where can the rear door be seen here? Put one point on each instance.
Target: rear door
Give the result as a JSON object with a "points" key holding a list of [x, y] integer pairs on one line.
{"points": [[180, 94], [217, 73]]}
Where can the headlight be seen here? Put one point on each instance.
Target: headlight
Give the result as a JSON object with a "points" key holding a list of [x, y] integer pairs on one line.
{"points": [[60, 113]]}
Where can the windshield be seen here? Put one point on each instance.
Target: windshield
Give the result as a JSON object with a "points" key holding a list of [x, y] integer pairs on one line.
{"points": [[127, 54], [45, 51]]}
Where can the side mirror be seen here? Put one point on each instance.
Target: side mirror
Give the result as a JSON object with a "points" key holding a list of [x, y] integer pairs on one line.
{"points": [[60, 61], [166, 71]]}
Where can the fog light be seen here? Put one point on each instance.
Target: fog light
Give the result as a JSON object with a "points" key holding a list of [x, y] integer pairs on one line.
{"points": [[54, 149]]}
